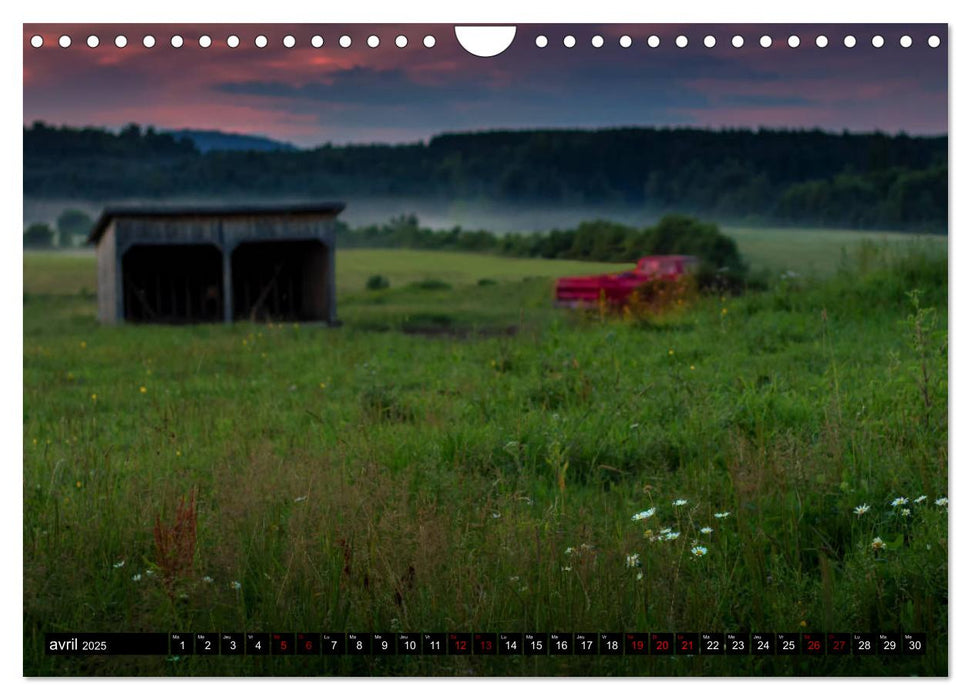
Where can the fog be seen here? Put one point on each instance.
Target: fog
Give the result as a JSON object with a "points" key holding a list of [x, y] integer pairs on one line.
{"points": [[361, 211]]}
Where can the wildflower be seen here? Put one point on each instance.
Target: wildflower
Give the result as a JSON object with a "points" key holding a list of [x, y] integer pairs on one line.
{"points": [[94, 397], [877, 543], [299, 499], [207, 579], [640, 575], [664, 531], [679, 502], [149, 572], [860, 510], [699, 551], [83, 345], [643, 515], [567, 568], [670, 352], [692, 368], [496, 515], [723, 515], [570, 550], [920, 499], [941, 501], [634, 426], [803, 623], [136, 577], [633, 560], [513, 579], [905, 512], [724, 311], [672, 535], [78, 484], [586, 546], [900, 501], [235, 585], [119, 564], [178, 453], [143, 390], [706, 530]]}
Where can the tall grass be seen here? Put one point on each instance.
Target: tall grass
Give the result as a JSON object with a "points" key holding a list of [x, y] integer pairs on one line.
{"points": [[484, 477]]}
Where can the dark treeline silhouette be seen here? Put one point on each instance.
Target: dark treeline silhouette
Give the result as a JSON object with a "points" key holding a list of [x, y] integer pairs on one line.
{"points": [[871, 180]]}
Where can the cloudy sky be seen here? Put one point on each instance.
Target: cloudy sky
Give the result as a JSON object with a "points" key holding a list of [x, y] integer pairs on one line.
{"points": [[307, 95]]}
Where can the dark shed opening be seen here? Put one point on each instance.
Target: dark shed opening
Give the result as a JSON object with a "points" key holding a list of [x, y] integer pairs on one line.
{"points": [[279, 280], [173, 284]]}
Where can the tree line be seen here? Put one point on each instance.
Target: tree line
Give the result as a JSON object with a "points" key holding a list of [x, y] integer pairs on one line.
{"points": [[860, 180]]}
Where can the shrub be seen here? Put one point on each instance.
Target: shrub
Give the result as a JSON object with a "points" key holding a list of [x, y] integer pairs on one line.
{"points": [[431, 284], [375, 282]]}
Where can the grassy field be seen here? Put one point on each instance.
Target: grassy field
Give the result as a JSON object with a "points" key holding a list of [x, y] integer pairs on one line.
{"points": [[467, 458]]}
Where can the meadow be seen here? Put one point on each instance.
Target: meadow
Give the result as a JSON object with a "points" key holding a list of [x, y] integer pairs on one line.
{"points": [[461, 456]]}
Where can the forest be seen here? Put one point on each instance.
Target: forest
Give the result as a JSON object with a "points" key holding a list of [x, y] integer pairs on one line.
{"points": [[805, 177]]}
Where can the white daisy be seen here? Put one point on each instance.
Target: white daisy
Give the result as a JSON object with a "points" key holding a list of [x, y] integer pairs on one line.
{"points": [[920, 499], [941, 501], [643, 515], [877, 543], [119, 564], [136, 577], [706, 530], [570, 550], [235, 585], [633, 560], [699, 551], [679, 502], [905, 512], [860, 510], [207, 579], [899, 501], [672, 535], [723, 515]]}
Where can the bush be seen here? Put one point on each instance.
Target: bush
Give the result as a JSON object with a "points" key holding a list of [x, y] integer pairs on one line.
{"points": [[486, 282], [39, 236], [375, 282]]}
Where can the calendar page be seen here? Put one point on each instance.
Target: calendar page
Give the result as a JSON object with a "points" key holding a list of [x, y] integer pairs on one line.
{"points": [[509, 350]]}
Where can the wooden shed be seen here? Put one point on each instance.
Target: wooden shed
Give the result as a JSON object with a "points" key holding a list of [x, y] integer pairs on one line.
{"points": [[212, 264]]}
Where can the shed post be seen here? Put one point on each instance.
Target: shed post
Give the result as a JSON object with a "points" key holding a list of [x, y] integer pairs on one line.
{"points": [[227, 285], [331, 282]]}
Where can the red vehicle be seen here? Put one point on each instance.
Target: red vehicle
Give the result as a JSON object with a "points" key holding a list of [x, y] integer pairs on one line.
{"points": [[617, 287]]}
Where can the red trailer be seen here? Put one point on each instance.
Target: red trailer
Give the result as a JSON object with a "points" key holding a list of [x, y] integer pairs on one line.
{"points": [[616, 288]]}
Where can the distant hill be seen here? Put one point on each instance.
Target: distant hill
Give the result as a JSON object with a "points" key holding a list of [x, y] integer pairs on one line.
{"points": [[206, 141]]}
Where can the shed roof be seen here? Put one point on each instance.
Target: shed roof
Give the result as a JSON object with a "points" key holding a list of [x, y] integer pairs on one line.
{"points": [[110, 213]]}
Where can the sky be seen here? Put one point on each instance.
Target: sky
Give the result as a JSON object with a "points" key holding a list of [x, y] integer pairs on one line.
{"points": [[308, 96]]}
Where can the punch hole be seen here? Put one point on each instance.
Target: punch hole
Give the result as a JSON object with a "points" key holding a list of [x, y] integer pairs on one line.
{"points": [[765, 41], [64, 41], [597, 41], [569, 41], [428, 41], [626, 42], [177, 42], [37, 41], [906, 42], [738, 42], [289, 42], [794, 41], [344, 41], [401, 41], [261, 42], [934, 41], [681, 41], [822, 42], [877, 41], [849, 41], [316, 41], [653, 41], [205, 41], [710, 41], [233, 41], [485, 42], [93, 42], [373, 41], [542, 41], [121, 41]]}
